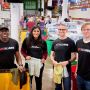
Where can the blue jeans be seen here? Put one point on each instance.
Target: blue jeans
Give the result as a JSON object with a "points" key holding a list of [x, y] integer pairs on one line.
{"points": [[66, 83], [82, 83]]}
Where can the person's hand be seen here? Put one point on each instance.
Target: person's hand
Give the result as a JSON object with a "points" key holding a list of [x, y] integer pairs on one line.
{"points": [[21, 68], [28, 57], [64, 63], [75, 74], [55, 63], [43, 60]]}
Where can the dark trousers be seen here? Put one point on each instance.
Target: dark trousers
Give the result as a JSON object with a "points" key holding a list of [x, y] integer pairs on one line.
{"points": [[38, 80], [82, 83]]}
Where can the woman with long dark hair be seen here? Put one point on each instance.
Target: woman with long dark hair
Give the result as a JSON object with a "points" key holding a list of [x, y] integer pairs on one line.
{"points": [[34, 49]]}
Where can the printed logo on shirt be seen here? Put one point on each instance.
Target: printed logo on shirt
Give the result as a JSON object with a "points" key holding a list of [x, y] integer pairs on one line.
{"points": [[6, 48], [35, 47], [84, 50], [62, 44]]}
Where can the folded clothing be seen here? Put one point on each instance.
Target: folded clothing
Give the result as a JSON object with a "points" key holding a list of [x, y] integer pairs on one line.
{"points": [[34, 66], [58, 74]]}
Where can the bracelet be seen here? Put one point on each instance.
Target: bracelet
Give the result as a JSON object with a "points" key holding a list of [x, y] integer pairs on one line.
{"points": [[20, 64]]}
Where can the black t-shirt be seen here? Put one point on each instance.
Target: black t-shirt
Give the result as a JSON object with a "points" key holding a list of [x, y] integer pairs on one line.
{"points": [[63, 49], [7, 52], [35, 50], [83, 50]]}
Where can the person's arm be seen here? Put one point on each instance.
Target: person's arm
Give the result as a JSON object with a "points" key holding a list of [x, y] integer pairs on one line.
{"points": [[24, 50], [73, 54], [45, 54], [73, 57], [52, 55], [18, 58], [76, 65], [52, 58], [24, 53], [19, 61]]}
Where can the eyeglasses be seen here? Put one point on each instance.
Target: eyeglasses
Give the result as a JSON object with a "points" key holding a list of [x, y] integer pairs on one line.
{"points": [[61, 29], [85, 29]]}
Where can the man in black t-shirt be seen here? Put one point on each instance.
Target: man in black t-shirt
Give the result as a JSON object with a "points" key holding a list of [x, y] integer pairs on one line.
{"points": [[63, 53], [83, 50], [9, 50]]}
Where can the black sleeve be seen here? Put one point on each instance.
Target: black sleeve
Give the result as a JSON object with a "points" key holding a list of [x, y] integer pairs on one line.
{"points": [[77, 46], [52, 47], [73, 47], [44, 46], [44, 50], [24, 48], [16, 46]]}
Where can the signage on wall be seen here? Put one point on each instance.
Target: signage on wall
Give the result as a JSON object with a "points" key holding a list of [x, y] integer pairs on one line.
{"points": [[30, 4], [5, 6]]}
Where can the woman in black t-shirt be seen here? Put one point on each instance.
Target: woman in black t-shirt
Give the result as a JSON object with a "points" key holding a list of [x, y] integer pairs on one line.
{"points": [[34, 48]]}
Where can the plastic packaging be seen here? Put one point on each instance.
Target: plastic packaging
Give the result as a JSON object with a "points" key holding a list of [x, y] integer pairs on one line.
{"points": [[65, 72]]}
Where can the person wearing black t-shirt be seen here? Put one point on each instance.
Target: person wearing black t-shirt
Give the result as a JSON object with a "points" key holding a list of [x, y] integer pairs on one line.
{"points": [[34, 49], [63, 53], [83, 51], [9, 50]]}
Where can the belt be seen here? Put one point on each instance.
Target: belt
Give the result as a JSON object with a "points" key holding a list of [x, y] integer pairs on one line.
{"points": [[5, 70]]}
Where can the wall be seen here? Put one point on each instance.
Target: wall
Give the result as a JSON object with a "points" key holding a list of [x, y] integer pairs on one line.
{"points": [[78, 13], [4, 14]]}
